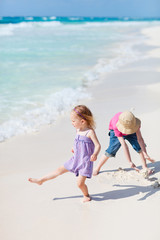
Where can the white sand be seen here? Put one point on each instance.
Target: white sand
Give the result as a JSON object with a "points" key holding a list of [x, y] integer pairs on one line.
{"points": [[125, 205], [153, 40]]}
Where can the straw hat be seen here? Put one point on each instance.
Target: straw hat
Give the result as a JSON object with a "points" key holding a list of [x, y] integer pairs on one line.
{"points": [[128, 123]]}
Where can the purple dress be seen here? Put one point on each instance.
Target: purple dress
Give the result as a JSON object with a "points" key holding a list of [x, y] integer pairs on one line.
{"points": [[80, 163]]}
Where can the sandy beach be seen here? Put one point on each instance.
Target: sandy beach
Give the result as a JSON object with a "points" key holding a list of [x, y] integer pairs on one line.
{"points": [[125, 204]]}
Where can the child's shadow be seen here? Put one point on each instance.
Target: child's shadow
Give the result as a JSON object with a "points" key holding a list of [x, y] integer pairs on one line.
{"points": [[129, 191], [155, 165]]}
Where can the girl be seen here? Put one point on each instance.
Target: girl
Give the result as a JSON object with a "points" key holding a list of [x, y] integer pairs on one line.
{"points": [[86, 149], [125, 126]]}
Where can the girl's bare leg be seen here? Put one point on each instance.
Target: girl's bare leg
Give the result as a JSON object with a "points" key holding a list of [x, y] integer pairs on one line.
{"points": [[102, 161], [81, 184], [49, 176]]}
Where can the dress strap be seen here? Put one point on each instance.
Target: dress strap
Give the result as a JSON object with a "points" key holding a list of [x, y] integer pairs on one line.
{"points": [[87, 133]]}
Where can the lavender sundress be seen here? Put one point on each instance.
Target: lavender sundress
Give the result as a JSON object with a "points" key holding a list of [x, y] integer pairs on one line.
{"points": [[80, 163]]}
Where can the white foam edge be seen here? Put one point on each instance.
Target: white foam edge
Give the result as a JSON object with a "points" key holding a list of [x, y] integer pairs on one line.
{"points": [[56, 104]]}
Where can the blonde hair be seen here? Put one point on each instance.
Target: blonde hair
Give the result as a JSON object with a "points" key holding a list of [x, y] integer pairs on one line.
{"points": [[83, 112]]}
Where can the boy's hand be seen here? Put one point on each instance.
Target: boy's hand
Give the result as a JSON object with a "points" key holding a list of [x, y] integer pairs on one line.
{"points": [[150, 159], [134, 167], [93, 158]]}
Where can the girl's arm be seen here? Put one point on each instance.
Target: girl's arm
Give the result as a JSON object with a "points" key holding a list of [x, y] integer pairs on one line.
{"points": [[143, 146], [93, 137], [126, 152]]}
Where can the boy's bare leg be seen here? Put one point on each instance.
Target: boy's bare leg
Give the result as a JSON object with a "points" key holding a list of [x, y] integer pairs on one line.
{"points": [[49, 176], [102, 161], [81, 184]]}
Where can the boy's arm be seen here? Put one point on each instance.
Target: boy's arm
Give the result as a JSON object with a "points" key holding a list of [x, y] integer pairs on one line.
{"points": [[143, 146], [97, 145], [126, 152]]}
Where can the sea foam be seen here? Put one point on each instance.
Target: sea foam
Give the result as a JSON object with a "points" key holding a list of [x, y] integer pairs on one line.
{"points": [[54, 106]]}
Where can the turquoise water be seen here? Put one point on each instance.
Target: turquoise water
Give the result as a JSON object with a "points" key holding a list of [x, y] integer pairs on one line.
{"points": [[72, 19], [46, 64]]}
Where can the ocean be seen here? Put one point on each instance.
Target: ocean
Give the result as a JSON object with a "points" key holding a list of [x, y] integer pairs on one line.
{"points": [[48, 63]]}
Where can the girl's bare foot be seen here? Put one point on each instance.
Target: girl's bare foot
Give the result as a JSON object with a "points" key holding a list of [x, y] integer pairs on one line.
{"points": [[86, 198], [35, 180], [95, 172]]}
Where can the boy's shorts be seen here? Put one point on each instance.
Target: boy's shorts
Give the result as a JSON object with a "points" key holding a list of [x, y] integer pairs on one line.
{"points": [[114, 144]]}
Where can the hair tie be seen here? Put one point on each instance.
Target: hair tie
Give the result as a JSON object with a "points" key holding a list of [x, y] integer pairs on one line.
{"points": [[79, 113]]}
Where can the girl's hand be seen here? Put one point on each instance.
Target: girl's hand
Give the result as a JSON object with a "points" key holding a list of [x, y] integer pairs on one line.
{"points": [[93, 158], [72, 150]]}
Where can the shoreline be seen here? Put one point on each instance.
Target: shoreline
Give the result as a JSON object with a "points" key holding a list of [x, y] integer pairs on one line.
{"points": [[121, 199], [45, 112]]}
